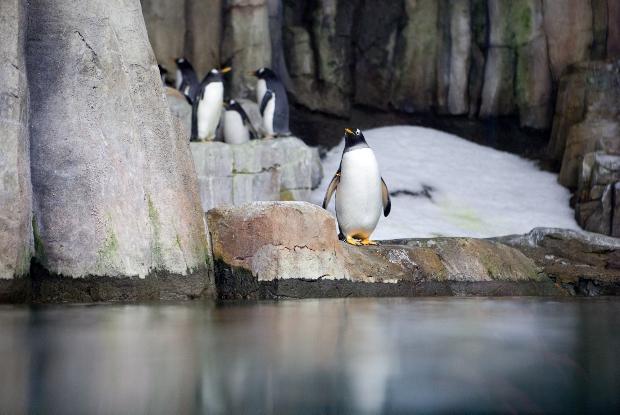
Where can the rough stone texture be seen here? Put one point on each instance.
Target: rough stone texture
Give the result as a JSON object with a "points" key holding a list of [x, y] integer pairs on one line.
{"points": [[588, 98], [415, 62], [613, 30], [281, 249], [203, 35], [16, 243], [580, 263], [165, 21], [115, 191], [246, 44], [567, 46], [180, 109], [280, 169]]}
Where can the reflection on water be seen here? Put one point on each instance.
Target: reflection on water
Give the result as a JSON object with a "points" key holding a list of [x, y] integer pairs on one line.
{"points": [[313, 356]]}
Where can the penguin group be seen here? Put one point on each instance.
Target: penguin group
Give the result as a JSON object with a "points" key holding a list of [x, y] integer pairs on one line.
{"points": [[360, 192], [207, 100]]}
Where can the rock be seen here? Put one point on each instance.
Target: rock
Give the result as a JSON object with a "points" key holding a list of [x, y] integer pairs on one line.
{"points": [[246, 44], [280, 169], [16, 241], [115, 191], [374, 52], [203, 34], [181, 109], [567, 46], [276, 240], [415, 61], [600, 29], [165, 21], [613, 30], [284, 249], [497, 92]]}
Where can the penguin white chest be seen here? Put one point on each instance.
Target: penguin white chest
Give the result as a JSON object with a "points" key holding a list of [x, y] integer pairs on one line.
{"points": [[210, 110], [358, 196], [178, 80], [235, 132], [270, 109], [261, 88]]}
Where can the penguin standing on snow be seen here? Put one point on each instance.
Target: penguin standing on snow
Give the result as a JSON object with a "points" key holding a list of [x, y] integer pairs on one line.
{"points": [[269, 81], [361, 193], [186, 78], [238, 128], [207, 105]]}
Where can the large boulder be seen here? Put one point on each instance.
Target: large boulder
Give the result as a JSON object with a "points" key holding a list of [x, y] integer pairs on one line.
{"points": [[284, 249], [180, 109], [246, 44], [115, 191], [280, 169], [16, 241]]}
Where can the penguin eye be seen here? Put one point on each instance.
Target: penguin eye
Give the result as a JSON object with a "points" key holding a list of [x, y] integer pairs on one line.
{"points": [[357, 132]]}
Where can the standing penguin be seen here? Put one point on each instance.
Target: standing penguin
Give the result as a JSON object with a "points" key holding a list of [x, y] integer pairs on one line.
{"points": [[207, 105], [267, 111], [268, 80], [361, 193], [238, 128], [186, 79]]}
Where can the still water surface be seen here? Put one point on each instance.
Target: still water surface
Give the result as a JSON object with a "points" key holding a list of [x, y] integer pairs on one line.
{"points": [[313, 356]]}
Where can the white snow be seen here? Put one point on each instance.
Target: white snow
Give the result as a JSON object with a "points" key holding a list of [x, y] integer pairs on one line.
{"points": [[478, 191]]}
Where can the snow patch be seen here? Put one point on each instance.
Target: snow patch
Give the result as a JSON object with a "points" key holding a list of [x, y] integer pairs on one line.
{"points": [[475, 191]]}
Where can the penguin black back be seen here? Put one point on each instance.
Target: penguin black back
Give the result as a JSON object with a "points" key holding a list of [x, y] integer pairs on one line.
{"points": [[189, 82], [281, 112]]}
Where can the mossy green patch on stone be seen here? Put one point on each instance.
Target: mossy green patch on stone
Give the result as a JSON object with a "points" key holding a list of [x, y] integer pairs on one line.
{"points": [[156, 248], [286, 195], [108, 254]]}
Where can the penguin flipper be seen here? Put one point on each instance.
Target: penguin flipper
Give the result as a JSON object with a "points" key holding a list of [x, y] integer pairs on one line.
{"points": [[385, 198], [265, 101], [194, 132], [331, 189]]}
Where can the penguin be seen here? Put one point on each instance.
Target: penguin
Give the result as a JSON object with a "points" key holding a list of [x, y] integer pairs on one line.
{"points": [[361, 192], [207, 105], [186, 78], [238, 128], [268, 80], [163, 73], [267, 111]]}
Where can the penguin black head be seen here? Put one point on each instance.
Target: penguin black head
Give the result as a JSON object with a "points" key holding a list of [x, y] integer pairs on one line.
{"points": [[216, 75], [233, 105], [183, 63], [265, 73], [353, 139]]}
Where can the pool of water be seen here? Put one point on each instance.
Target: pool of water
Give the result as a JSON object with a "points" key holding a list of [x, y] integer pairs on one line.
{"points": [[313, 356]]}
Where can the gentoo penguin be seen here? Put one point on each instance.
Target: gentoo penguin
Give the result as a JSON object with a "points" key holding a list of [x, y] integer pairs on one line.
{"points": [[238, 128], [268, 80], [207, 106], [186, 79], [267, 111], [361, 193], [163, 73]]}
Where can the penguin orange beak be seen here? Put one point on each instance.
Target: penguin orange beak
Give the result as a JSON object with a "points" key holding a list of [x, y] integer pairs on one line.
{"points": [[226, 69], [252, 73], [348, 131]]}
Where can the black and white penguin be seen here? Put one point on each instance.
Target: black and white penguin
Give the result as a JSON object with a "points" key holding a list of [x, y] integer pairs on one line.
{"points": [[186, 78], [268, 80], [163, 73], [238, 128], [361, 193], [207, 105], [267, 111]]}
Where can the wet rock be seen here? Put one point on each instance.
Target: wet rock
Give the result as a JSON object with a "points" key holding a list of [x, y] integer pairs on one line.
{"points": [[16, 241], [115, 191], [567, 47], [280, 169], [165, 21], [246, 44]]}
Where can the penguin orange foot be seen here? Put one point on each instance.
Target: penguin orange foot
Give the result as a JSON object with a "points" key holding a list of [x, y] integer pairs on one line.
{"points": [[351, 240], [367, 242]]}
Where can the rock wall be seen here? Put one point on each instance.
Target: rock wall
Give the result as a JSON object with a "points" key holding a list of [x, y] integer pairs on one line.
{"points": [[115, 192], [484, 58], [16, 242]]}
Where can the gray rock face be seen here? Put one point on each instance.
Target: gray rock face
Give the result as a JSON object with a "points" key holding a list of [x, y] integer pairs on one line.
{"points": [[115, 191], [180, 109], [262, 170], [203, 35], [246, 44], [16, 241]]}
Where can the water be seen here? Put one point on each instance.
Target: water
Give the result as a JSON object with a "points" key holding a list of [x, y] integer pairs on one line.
{"points": [[313, 356]]}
